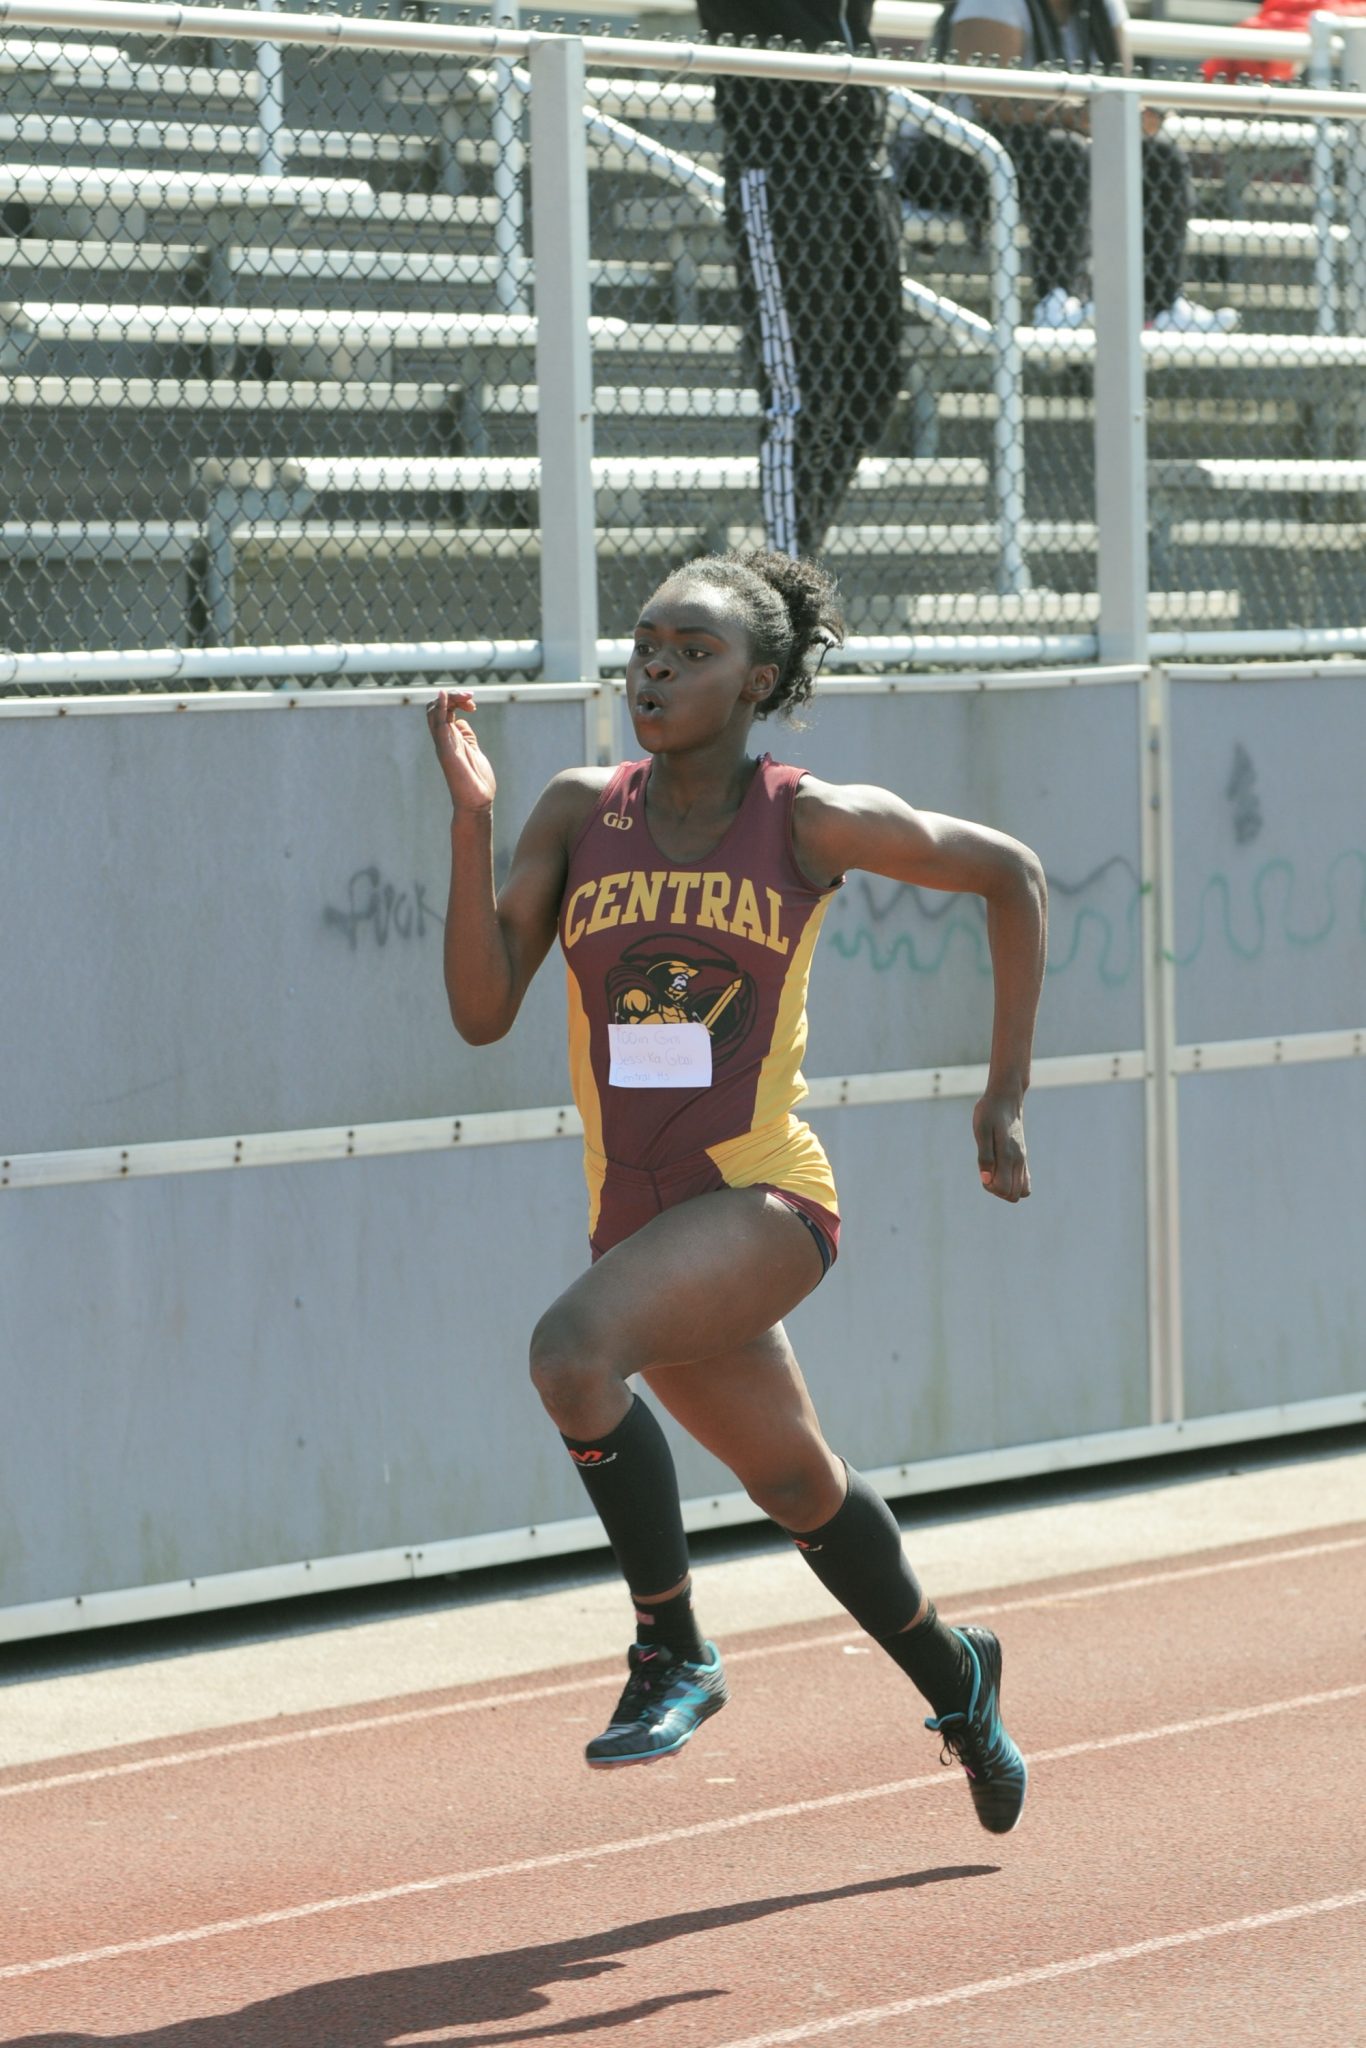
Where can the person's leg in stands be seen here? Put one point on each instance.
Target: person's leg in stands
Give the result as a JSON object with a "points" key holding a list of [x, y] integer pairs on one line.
{"points": [[1053, 167]]}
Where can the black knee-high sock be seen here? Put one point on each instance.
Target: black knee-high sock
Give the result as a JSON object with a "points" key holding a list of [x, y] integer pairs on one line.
{"points": [[934, 1659], [630, 1478], [857, 1556]]}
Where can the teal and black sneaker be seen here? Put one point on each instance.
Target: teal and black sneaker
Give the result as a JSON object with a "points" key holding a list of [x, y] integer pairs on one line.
{"points": [[665, 1702], [977, 1740]]}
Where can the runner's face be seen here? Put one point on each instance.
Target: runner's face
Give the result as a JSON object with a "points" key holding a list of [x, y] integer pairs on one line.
{"points": [[691, 673]]}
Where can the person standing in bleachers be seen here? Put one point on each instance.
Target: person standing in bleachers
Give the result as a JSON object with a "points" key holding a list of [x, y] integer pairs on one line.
{"points": [[812, 215], [1051, 152]]}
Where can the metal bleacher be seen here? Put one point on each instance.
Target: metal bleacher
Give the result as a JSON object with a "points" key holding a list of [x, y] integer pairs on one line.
{"points": [[245, 405]]}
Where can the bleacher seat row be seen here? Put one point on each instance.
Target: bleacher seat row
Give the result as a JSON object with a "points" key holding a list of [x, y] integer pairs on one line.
{"points": [[218, 382]]}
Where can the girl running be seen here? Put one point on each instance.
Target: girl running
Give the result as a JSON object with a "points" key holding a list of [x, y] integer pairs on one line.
{"points": [[687, 889]]}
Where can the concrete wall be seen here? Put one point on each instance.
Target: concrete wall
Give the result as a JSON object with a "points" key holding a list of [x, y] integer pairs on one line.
{"points": [[229, 921]]}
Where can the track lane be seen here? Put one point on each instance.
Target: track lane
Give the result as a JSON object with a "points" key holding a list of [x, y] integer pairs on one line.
{"points": [[832, 1896], [136, 1759], [1159, 2010], [827, 1920], [410, 1802]]}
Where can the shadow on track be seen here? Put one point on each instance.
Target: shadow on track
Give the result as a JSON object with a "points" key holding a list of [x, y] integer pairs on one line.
{"points": [[370, 2012]]}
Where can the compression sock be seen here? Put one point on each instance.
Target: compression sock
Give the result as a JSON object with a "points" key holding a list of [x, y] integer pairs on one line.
{"points": [[934, 1659], [630, 1478], [857, 1556], [672, 1625]]}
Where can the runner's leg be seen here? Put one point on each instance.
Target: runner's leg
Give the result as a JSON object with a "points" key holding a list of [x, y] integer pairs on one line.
{"points": [[713, 1272], [673, 1290], [702, 1279], [751, 1409], [693, 1302]]}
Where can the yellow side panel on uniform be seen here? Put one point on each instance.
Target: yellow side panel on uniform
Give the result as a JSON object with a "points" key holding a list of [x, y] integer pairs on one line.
{"points": [[780, 1081], [786, 1153], [585, 1087]]}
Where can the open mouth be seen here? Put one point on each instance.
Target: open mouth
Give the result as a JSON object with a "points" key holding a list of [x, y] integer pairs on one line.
{"points": [[649, 704]]}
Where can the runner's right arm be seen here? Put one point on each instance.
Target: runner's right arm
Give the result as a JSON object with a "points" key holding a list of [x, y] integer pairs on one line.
{"points": [[496, 939]]}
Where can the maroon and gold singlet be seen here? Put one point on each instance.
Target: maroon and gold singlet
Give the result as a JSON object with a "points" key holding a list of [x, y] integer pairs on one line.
{"points": [[722, 948]]}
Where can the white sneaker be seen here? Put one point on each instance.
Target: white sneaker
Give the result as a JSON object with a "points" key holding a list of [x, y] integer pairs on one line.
{"points": [[1184, 316], [1061, 309]]}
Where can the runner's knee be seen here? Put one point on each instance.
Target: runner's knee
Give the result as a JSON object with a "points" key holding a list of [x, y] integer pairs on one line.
{"points": [[801, 1492], [571, 1360]]}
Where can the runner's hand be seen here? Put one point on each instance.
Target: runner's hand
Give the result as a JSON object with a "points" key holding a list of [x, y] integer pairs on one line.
{"points": [[467, 769], [998, 1125]]}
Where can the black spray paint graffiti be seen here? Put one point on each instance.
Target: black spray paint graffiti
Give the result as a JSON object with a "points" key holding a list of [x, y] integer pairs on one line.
{"points": [[1241, 791], [377, 906]]}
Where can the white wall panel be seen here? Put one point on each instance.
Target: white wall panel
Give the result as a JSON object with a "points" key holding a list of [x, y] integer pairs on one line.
{"points": [[233, 922], [1273, 1235], [903, 975], [1270, 801]]}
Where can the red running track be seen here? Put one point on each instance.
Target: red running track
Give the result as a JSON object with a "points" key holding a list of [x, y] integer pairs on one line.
{"points": [[1191, 1866]]}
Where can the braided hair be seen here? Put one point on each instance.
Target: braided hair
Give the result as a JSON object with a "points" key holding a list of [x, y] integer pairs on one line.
{"points": [[791, 610]]}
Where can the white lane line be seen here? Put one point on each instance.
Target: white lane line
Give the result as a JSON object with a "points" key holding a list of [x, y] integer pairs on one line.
{"points": [[1047, 1973], [1170, 1578], [525, 1695], [205, 1752], [694, 1831]]}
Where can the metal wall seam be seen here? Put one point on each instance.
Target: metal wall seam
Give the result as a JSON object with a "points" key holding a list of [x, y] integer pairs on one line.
{"points": [[536, 1126], [1232, 1055], [1153, 1140], [496, 1127], [1162, 1142]]}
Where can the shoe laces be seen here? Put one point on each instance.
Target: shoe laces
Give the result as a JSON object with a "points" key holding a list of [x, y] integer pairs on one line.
{"points": [[960, 1742], [650, 1670]]}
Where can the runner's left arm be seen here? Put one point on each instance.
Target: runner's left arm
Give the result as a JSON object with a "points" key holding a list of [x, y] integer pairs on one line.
{"points": [[842, 826]]}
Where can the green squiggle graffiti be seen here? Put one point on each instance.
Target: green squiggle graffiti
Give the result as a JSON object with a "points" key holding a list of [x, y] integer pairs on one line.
{"points": [[1111, 977], [884, 958], [1119, 947], [1219, 887]]}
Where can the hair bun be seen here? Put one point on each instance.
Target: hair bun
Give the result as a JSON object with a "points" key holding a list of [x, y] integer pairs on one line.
{"points": [[793, 611]]}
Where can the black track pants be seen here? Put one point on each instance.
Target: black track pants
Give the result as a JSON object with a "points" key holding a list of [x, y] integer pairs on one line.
{"points": [[818, 263]]}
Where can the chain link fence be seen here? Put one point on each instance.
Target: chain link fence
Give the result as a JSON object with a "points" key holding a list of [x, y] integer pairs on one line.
{"points": [[1256, 476], [268, 354], [266, 349]]}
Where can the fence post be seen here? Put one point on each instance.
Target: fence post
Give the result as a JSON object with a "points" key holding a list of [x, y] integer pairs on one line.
{"points": [[1121, 441], [270, 101], [505, 127], [1007, 377], [1353, 288], [1324, 178], [564, 361]]}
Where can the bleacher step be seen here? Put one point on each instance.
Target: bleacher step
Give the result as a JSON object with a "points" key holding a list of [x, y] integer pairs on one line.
{"points": [[973, 610], [1302, 478], [670, 474], [225, 394]]}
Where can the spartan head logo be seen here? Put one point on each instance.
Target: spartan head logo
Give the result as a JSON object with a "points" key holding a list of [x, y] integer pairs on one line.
{"points": [[664, 980]]}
